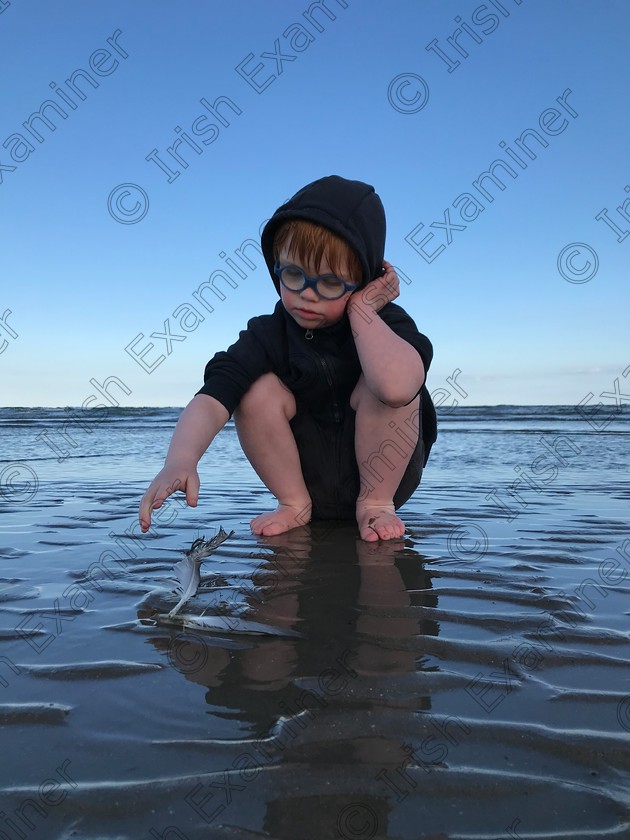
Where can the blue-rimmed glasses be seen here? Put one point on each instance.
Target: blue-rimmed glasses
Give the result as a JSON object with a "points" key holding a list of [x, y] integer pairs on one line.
{"points": [[327, 286]]}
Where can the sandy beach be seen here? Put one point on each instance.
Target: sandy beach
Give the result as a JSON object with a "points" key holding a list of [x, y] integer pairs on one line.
{"points": [[470, 681]]}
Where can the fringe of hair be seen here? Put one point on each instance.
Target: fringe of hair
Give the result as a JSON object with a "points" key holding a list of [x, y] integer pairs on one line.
{"points": [[311, 245]]}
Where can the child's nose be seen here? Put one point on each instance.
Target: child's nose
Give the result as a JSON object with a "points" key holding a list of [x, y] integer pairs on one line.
{"points": [[309, 294]]}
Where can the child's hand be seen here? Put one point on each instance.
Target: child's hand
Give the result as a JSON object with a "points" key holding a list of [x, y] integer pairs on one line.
{"points": [[378, 292], [170, 479]]}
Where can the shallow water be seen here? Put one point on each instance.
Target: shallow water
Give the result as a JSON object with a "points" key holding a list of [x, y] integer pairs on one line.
{"points": [[469, 681]]}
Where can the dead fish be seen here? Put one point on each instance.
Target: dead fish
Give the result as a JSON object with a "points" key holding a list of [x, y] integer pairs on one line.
{"points": [[221, 623], [196, 622], [188, 569]]}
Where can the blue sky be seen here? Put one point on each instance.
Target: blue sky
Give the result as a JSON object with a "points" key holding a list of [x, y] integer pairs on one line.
{"points": [[363, 98]]}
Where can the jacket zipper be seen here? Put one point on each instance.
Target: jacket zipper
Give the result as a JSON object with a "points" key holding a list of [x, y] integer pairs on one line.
{"points": [[336, 413]]}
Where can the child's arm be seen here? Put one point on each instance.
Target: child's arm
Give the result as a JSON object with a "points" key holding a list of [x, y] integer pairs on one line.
{"points": [[392, 368], [200, 422]]}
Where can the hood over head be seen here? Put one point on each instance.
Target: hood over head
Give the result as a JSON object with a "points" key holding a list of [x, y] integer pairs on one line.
{"points": [[351, 209]]}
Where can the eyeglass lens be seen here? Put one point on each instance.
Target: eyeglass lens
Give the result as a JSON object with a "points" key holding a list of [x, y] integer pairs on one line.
{"points": [[328, 286]]}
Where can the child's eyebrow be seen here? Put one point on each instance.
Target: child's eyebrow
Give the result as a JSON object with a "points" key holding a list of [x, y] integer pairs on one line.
{"points": [[329, 273]]}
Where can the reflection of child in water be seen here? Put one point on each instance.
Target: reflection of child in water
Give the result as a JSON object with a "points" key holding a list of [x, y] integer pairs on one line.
{"points": [[302, 699], [330, 383]]}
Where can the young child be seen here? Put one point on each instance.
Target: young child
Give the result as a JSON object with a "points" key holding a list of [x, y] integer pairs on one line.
{"points": [[328, 393]]}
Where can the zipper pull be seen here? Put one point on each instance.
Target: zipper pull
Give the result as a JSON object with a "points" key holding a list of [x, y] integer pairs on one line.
{"points": [[309, 335]]}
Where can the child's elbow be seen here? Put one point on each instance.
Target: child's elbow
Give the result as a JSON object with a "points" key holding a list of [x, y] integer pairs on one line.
{"points": [[400, 394], [397, 403], [399, 399]]}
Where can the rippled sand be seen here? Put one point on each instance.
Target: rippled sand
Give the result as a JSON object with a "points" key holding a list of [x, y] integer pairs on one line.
{"points": [[470, 681]]}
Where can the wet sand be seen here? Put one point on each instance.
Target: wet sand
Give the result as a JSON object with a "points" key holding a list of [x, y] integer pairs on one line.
{"points": [[470, 681]]}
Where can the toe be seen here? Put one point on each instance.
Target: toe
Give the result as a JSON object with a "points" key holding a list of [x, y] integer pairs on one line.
{"points": [[369, 534], [273, 528]]}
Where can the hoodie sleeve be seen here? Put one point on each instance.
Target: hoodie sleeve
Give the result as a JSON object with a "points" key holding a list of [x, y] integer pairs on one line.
{"points": [[230, 374]]}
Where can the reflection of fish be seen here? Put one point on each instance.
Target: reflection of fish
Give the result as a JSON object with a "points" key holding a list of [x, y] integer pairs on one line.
{"points": [[187, 570]]}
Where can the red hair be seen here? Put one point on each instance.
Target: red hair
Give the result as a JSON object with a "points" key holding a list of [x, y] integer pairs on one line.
{"points": [[311, 244]]}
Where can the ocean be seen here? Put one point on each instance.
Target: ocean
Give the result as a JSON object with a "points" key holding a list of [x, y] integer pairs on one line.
{"points": [[469, 682]]}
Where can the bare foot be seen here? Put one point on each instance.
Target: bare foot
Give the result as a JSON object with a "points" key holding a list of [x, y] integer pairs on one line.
{"points": [[283, 518], [379, 522]]}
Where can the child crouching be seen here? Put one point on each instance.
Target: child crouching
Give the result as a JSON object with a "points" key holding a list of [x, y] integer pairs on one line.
{"points": [[328, 392]]}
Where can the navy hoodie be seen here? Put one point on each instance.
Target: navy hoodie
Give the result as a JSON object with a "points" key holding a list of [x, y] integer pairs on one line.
{"points": [[321, 367]]}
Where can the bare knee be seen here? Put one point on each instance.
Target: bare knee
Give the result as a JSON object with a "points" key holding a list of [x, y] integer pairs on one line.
{"points": [[360, 393], [266, 395]]}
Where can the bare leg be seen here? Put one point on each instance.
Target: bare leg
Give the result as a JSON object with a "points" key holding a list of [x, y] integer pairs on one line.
{"points": [[262, 423], [382, 456]]}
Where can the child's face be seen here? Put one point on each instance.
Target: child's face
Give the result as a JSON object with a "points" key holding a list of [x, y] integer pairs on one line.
{"points": [[307, 308]]}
